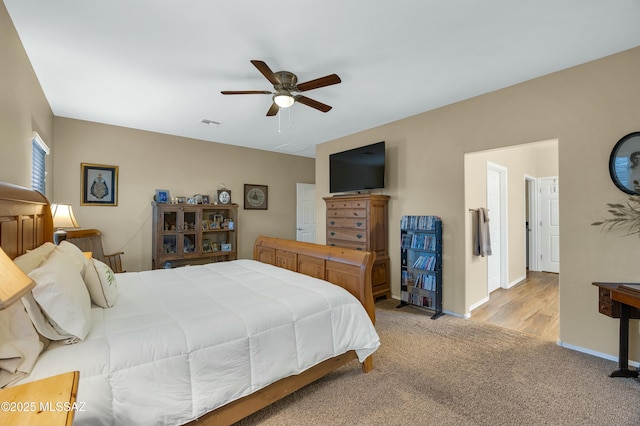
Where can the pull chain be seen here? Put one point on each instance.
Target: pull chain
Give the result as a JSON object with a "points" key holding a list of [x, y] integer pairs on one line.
{"points": [[279, 114]]}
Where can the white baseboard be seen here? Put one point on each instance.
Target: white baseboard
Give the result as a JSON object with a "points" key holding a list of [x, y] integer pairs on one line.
{"points": [[517, 281], [478, 304], [594, 353]]}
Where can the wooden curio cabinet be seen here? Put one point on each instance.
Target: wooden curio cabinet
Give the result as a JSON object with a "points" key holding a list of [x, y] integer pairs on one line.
{"points": [[186, 234]]}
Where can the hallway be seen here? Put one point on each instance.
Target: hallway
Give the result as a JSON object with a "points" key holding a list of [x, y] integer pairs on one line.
{"points": [[530, 306]]}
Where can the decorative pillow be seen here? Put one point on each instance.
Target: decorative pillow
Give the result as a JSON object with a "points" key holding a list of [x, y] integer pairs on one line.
{"points": [[63, 297], [101, 283], [34, 258], [74, 254]]}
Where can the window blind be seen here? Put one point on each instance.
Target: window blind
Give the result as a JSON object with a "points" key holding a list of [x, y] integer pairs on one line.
{"points": [[39, 164]]}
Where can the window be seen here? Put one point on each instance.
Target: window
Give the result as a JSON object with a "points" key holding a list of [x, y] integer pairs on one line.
{"points": [[39, 151]]}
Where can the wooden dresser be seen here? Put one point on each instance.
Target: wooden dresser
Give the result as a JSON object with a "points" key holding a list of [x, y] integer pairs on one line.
{"points": [[361, 222]]}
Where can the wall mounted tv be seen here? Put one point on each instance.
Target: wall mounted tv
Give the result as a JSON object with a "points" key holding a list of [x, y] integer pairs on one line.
{"points": [[357, 169]]}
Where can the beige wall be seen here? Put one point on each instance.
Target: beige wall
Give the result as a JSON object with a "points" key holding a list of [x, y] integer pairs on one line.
{"points": [[148, 161], [23, 108], [533, 160], [587, 109]]}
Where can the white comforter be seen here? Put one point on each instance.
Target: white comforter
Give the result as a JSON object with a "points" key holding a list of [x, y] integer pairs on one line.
{"points": [[181, 342]]}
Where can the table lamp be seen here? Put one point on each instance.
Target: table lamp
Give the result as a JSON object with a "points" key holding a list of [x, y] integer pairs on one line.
{"points": [[13, 282], [62, 218]]}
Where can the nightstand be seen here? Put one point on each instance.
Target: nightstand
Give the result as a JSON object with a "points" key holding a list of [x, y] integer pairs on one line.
{"points": [[50, 401]]}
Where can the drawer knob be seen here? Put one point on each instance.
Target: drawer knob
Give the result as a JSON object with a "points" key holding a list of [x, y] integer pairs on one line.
{"points": [[332, 233], [359, 236], [333, 222], [359, 224]]}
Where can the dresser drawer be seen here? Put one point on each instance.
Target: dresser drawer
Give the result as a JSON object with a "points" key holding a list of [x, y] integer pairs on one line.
{"points": [[353, 213], [346, 244], [347, 234], [353, 223], [352, 204]]}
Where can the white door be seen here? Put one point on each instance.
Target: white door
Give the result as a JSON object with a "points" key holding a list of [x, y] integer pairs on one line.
{"points": [[306, 212], [531, 220], [549, 224], [496, 204]]}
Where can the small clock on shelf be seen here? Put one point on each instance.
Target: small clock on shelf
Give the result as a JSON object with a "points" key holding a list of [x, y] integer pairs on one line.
{"points": [[255, 197], [224, 196]]}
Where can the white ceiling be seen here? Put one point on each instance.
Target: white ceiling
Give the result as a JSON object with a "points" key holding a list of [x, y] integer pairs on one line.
{"points": [[159, 65]]}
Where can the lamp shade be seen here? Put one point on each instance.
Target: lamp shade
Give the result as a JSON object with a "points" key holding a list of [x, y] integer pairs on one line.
{"points": [[283, 100], [63, 216], [13, 282]]}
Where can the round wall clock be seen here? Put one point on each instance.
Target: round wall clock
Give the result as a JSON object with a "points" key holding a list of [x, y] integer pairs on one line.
{"points": [[224, 196], [624, 164], [255, 197]]}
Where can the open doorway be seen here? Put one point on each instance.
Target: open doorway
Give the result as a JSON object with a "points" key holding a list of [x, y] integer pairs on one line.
{"points": [[527, 299]]}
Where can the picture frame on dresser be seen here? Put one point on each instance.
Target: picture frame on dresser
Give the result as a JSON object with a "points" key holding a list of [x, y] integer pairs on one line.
{"points": [[99, 185], [162, 196]]}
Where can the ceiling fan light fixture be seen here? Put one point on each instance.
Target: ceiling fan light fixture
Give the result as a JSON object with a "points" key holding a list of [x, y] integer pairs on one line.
{"points": [[283, 99]]}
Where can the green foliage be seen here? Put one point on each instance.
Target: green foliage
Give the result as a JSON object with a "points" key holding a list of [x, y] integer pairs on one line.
{"points": [[623, 215]]}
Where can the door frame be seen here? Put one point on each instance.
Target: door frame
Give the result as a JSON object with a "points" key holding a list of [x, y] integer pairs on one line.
{"points": [[504, 229], [533, 208]]}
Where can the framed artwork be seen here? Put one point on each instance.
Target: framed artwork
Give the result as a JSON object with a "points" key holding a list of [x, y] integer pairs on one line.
{"points": [[99, 185], [256, 197], [162, 196], [624, 164]]}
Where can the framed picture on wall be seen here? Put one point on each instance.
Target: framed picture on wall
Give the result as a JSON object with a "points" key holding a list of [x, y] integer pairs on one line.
{"points": [[256, 197], [99, 185]]}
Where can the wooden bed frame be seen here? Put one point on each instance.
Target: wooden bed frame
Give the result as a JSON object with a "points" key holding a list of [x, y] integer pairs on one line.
{"points": [[26, 223]]}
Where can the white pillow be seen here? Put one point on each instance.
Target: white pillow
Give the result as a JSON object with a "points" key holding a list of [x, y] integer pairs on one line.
{"points": [[34, 258], [101, 283], [63, 297], [75, 255], [20, 344]]}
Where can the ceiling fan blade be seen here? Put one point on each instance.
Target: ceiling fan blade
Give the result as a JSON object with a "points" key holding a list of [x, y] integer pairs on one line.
{"points": [[245, 92], [266, 71], [273, 110], [327, 80], [313, 103]]}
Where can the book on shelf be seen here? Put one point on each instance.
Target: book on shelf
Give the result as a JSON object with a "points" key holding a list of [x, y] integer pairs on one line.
{"points": [[426, 262], [422, 242], [426, 282], [406, 240], [419, 223]]}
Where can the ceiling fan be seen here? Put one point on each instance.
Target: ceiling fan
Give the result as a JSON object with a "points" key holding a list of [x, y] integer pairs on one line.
{"points": [[286, 85]]}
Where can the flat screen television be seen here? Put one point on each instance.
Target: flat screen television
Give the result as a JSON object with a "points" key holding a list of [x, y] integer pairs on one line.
{"points": [[357, 169]]}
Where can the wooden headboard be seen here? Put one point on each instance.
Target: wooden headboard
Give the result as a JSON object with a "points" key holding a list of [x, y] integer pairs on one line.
{"points": [[25, 219]]}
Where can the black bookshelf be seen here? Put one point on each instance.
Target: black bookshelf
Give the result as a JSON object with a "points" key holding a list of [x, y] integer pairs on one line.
{"points": [[421, 256]]}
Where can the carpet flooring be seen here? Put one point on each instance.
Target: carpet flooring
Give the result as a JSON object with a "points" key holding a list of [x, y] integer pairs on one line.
{"points": [[452, 371]]}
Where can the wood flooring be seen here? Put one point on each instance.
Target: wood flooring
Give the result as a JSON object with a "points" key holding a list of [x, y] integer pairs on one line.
{"points": [[530, 306]]}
